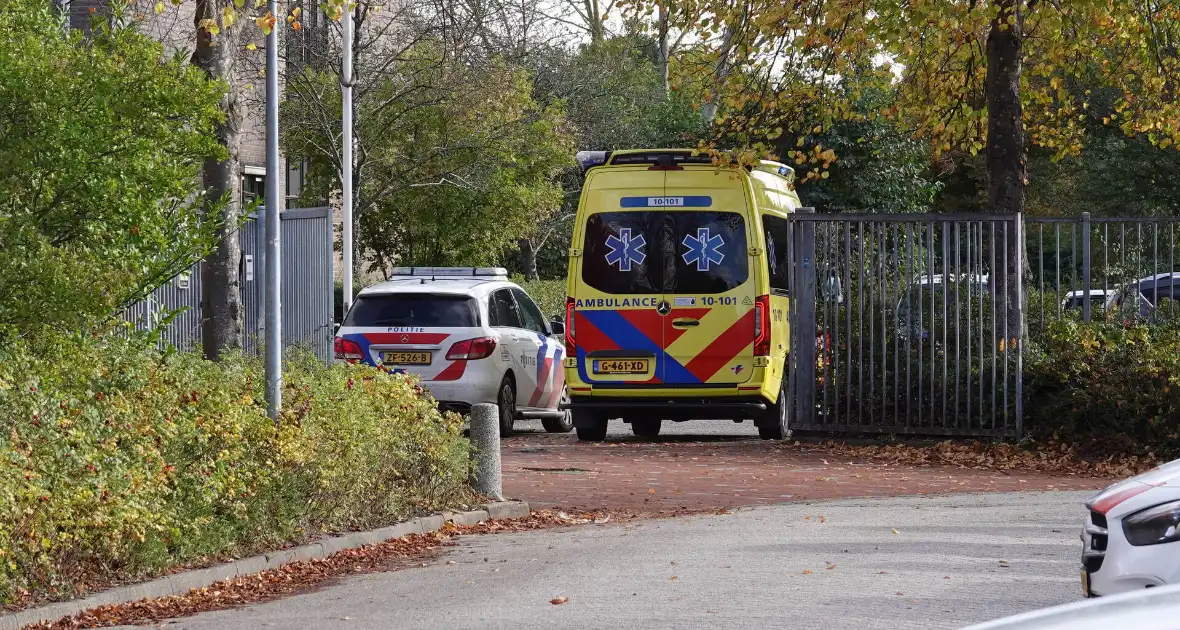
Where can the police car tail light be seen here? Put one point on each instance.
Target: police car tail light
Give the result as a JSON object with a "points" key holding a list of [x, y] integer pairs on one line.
{"points": [[348, 350], [472, 349], [570, 346], [762, 326]]}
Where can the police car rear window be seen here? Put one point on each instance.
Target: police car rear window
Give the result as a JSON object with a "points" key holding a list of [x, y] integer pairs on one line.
{"points": [[413, 309], [645, 252]]}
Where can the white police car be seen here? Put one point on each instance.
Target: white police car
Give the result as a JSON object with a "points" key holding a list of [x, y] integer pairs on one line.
{"points": [[1131, 535], [469, 334]]}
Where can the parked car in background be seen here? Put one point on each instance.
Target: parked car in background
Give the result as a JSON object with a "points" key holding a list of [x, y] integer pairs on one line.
{"points": [[469, 334], [923, 298], [1076, 299], [1144, 296], [1154, 609], [1131, 534]]}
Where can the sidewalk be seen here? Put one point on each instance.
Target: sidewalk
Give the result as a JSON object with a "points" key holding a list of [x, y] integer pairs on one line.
{"points": [[557, 471]]}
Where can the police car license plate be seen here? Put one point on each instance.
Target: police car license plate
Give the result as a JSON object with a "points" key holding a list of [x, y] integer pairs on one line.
{"points": [[406, 358], [620, 366]]}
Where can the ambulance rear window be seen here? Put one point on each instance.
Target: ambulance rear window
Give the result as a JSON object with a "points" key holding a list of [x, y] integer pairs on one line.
{"points": [[413, 309], [646, 252]]}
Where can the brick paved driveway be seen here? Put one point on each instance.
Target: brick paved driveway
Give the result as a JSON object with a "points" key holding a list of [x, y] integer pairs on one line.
{"points": [[722, 466]]}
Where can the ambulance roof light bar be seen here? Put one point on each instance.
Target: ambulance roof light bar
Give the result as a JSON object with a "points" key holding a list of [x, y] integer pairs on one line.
{"points": [[589, 159], [451, 272]]}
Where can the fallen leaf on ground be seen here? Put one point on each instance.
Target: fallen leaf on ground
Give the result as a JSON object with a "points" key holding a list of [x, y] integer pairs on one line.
{"points": [[673, 578], [830, 567], [806, 571], [651, 490], [557, 601], [895, 532]]}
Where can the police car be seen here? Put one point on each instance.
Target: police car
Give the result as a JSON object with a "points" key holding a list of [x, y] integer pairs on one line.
{"points": [[1131, 534], [469, 334]]}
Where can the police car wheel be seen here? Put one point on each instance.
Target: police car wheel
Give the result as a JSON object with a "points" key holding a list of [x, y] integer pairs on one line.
{"points": [[506, 401], [565, 423]]}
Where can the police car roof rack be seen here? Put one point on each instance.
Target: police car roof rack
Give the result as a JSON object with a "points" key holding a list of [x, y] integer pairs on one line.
{"points": [[449, 272]]}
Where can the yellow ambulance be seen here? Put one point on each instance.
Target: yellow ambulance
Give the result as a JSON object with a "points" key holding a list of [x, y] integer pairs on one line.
{"points": [[677, 292]]}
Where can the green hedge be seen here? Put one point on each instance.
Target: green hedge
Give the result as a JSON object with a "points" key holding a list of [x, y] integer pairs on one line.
{"points": [[1110, 388], [117, 463], [548, 294]]}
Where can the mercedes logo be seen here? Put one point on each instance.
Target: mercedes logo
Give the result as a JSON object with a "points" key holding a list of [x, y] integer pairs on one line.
{"points": [[405, 339], [663, 308]]}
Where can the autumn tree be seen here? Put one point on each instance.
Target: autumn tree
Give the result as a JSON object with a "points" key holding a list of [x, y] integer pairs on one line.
{"points": [[975, 75], [104, 137]]}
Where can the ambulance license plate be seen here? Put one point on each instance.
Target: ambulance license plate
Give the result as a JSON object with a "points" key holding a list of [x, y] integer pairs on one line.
{"points": [[620, 366], [406, 358]]}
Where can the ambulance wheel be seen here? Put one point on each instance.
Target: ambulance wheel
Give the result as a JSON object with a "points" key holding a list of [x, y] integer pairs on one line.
{"points": [[775, 425], [506, 402], [646, 428], [565, 423], [591, 426]]}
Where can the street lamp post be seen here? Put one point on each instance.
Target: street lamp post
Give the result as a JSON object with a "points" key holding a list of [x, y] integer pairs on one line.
{"points": [[346, 174], [274, 319]]}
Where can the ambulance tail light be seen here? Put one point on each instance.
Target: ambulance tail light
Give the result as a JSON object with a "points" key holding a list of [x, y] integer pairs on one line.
{"points": [[348, 350], [472, 349], [762, 326], [570, 346]]}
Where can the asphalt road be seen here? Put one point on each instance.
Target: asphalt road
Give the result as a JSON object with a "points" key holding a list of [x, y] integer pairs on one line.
{"points": [[915, 562]]}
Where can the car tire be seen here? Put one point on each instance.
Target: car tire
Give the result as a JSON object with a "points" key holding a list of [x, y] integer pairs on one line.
{"points": [[776, 424], [591, 427], [646, 428], [565, 423], [506, 403]]}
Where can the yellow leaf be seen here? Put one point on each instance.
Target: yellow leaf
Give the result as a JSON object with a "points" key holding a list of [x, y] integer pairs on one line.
{"points": [[251, 46], [895, 532], [228, 16], [210, 26], [824, 175], [159, 7]]}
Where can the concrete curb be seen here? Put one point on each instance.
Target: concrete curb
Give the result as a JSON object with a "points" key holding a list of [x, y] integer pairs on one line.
{"points": [[181, 583]]}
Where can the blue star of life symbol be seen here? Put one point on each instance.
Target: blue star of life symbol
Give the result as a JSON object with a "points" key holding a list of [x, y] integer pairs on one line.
{"points": [[703, 250], [625, 250]]}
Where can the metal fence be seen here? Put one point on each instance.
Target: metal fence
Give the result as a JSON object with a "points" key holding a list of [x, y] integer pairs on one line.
{"points": [[1088, 267], [916, 329], [307, 278]]}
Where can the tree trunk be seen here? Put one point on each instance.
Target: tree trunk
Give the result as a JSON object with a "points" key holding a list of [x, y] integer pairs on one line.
{"points": [[723, 66], [528, 255], [1007, 176], [665, 59], [594, 21], [221, 302]]}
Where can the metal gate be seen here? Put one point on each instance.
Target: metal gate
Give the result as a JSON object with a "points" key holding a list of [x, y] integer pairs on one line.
{"points": [[906, 323], [307, 277]]}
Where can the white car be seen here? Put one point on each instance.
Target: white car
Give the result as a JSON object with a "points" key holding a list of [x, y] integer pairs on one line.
{"points": [[1155, 609], [1075, 299], [1131, 536], [471, 337]]}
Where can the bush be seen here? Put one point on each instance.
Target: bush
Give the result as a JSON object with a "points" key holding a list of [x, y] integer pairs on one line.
{"points": [[117, 462], [1110, 388]]}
